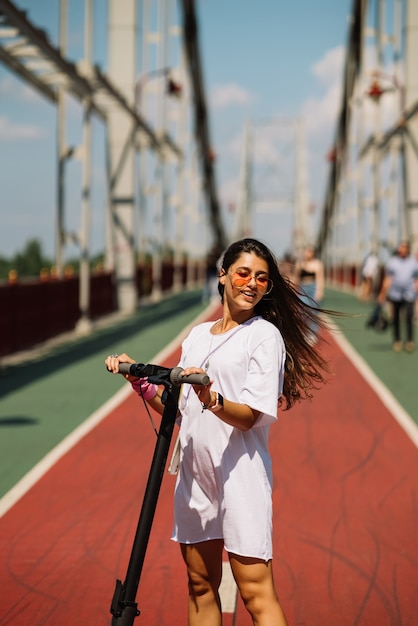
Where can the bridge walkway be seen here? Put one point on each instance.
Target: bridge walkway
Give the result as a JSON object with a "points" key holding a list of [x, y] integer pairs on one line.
{"points": [[76, 447]]}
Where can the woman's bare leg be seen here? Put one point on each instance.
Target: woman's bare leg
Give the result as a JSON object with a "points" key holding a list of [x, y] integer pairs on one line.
{"points": [[254, 578], [204, 570]]}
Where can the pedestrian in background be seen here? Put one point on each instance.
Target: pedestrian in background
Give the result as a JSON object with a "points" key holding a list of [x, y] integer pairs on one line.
{"points": [[287, 266], [399, 287], [210, 288], [369, 273], [258, 358], [309, 275]]}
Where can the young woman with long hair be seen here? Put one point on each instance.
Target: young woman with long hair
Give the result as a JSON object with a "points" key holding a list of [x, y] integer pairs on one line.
{"points": [[259, 358]]}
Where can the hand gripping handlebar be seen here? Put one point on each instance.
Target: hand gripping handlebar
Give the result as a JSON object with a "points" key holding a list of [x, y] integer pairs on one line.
{"points": [[174, 375]]}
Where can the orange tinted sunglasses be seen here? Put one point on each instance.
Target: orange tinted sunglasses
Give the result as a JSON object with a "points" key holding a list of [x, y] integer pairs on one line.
{"points": [[242, 277]]}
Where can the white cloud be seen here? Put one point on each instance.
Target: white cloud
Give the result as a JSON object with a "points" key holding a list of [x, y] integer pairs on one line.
{"points": [[269, 141], [9, 131], [320, 113], [275, 144], [235, 146], [228, 190], [276, 141], [223, 96], [14, 89], [329, 68]]}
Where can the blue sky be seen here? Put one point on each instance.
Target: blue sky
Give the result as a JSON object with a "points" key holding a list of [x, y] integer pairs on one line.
{"points": [[262, 60]]}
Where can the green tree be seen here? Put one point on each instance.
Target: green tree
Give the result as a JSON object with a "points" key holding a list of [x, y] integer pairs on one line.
{"points": [[4, 268], [30, 261]]}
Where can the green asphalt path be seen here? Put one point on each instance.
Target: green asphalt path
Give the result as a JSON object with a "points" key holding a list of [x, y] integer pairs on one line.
{"points": [[45, 398], [397, 371]]}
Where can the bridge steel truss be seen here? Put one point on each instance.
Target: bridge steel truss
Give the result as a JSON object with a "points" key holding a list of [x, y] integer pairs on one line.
{"points": [[27, 51], [273, 182], [371, 199]]}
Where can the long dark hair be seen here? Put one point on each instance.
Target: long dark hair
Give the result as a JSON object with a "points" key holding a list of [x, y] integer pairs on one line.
{"points": [[304, 366]]}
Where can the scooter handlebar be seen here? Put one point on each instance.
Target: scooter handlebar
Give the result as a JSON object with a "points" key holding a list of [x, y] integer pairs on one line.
{"points": [[175, 374]]}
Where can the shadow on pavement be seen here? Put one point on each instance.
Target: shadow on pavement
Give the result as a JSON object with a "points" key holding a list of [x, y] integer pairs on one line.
{"points": [[16, 376]]}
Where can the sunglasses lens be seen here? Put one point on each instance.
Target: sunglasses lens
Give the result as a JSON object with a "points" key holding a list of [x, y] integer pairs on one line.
{"points": [[240, 282], [263, 283], [268, 286]]}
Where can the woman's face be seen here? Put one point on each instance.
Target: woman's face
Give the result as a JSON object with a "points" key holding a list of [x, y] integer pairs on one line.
{"points": [[246, 281], [309, 254]]}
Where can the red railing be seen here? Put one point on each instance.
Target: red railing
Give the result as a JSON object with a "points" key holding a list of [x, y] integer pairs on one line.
{"points": [[34, 310]]}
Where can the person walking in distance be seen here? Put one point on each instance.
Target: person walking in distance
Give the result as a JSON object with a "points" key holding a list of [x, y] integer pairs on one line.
{"points": [[309, 275], [400, 286], [258, 358], [369, 272], [211, 274]]}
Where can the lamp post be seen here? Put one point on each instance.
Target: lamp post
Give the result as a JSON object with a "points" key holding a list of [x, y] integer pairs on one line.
{"points": [[383, 83], [172, 88], [377, 88]]}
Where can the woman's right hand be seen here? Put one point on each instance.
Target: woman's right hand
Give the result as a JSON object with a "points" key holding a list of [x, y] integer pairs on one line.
{"points": [[112, 363]]}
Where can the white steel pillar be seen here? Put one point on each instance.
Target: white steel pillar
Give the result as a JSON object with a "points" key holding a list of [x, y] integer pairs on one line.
{"points": [[302, 231], [143, 147], [411, 140], [244, 211], [159, 205], [180, 196], [122, 36], [84, 323], [194, 218], [375, 236], [61, 150]]}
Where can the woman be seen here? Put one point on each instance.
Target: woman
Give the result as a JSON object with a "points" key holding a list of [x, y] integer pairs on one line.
{"points": [[257, 357], [310, 277]]}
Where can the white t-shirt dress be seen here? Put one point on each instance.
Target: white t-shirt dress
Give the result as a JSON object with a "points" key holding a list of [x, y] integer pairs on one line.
{"points": [[224, 484]]}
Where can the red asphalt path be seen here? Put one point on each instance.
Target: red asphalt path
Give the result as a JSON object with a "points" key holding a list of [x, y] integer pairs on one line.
{"points": [[346, 520]]}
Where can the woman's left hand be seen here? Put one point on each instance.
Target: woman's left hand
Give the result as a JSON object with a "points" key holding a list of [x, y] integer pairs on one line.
{"points": [[202, 391]]}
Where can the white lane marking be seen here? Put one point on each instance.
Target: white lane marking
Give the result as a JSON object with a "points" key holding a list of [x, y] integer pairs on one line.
{"points": [[45, 464], [388, 399], [52, 457]]}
